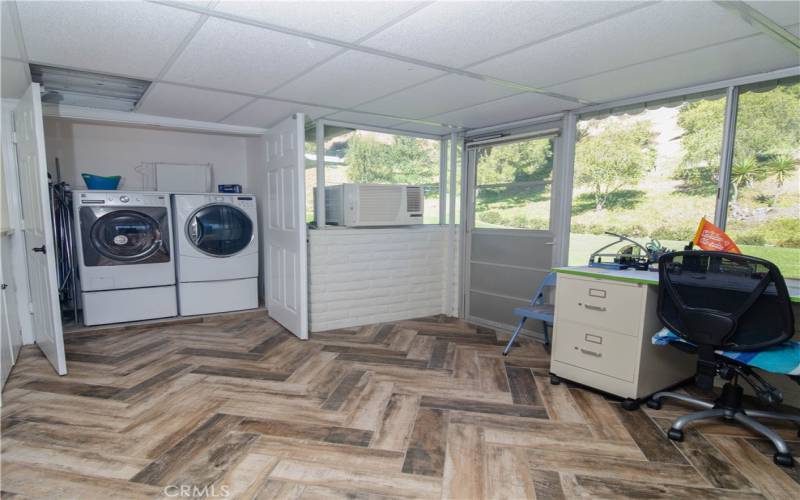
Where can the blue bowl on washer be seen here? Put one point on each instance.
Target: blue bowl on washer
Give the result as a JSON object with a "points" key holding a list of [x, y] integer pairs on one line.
{"points": [[103, 183]]}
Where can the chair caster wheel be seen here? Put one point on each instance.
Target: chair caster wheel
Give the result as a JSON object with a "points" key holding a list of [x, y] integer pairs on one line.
{"points": [[675, 435], [554, 379], [654, 404], [630, 404], [784, 459]]}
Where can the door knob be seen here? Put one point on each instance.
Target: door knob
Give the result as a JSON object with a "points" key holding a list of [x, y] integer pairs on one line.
{"points": [[3, 286], [42, 249]]}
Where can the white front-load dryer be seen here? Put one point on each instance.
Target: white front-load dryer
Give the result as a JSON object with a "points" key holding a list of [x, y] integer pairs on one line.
{"points": [[125, 255], [216, 238]]}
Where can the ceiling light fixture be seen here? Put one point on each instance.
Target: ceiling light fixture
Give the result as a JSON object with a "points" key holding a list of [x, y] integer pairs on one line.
{"points": [[89, 90]]}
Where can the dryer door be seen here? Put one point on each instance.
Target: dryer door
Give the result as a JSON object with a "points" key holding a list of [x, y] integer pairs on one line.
{"points": [[219, 230]]}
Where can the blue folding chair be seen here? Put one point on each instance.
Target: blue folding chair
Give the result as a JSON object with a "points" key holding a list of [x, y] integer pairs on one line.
{"points": [[537, 309]]}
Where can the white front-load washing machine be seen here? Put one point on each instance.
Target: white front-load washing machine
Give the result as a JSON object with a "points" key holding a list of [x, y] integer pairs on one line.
{"points": [[125, 255], [216, 240]]}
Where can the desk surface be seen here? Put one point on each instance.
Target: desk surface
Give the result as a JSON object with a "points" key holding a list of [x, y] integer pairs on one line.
{"points": [[646, 277]]}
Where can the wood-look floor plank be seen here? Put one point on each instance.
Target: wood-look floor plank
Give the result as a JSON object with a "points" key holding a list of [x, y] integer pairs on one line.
{"points": [[396, 423], [598, 487], [651, 439], [757, 468], [523, 387], [464, 465], [546, 485], [426, 448], [506, 475], [392, 485], [161, 469]]}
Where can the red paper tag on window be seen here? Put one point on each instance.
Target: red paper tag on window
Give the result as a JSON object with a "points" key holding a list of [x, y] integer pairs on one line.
{"points": [[710, 237]]}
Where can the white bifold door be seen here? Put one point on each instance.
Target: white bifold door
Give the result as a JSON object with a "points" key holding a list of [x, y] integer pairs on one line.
{"points": [[38, 229], [285, 226]]}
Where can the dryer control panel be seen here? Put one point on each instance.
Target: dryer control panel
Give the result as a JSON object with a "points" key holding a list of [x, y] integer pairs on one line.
{"points": [[120, 198], [239, 200]]}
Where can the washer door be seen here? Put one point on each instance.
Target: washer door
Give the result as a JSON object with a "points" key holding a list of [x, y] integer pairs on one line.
{"points": [[219, 230], [126, 236]]}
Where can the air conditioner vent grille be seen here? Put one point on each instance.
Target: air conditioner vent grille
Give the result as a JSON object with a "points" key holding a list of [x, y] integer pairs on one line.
{"points": [[414, 199], [379, 203]]}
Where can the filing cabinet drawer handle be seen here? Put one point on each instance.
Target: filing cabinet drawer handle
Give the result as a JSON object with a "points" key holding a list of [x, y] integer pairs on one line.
{"points": [[592, 353], [596, 292], [595, 308], [594, 339]]}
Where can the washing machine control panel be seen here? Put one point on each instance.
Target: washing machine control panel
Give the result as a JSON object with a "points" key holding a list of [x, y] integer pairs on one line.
{"points": [[111, 198]]}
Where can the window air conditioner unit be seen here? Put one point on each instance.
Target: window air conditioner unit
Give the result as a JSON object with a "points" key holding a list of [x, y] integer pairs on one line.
{"points": [[359, 205]]}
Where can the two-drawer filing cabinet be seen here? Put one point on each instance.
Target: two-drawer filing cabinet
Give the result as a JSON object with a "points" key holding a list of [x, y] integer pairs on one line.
{"points": [[602, 338]]}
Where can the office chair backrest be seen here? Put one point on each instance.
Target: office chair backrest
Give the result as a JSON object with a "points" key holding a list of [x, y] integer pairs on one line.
{"points": [[724, 301]]}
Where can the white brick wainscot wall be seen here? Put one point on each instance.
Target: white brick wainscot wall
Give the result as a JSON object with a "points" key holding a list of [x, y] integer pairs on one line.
{"points": [[362, 276]]}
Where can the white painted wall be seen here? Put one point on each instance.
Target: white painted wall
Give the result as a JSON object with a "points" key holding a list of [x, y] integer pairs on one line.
{"points": [[363, 276], [256, 148], [106, 149]]}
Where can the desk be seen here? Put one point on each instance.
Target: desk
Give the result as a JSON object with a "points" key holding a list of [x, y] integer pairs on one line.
{"points": [[604, 322]]}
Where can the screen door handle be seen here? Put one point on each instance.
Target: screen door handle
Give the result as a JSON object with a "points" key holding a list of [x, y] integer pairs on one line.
{"points": [[42, 249]]}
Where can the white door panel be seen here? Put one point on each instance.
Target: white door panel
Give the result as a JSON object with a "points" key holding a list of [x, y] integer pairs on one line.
{"points": [[38, 231], [285, 232]]}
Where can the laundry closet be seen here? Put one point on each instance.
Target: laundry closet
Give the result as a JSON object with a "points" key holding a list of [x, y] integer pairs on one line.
{"points": [[164, 243]]}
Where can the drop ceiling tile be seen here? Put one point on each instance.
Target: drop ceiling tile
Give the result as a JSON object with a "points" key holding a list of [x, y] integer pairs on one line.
{"points": [[193, 104], [461, 33], [129, 38], [10, 44], [738, 58], [352, 78], [14, 78], [362, 119], [233, 56], [518, 107], [267, 112], [439, 96], [643, 35], [783, 12], [345, 21]]}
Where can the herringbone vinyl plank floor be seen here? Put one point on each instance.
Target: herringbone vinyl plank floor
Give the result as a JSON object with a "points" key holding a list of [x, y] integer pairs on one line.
{"points": [[428, 408]]}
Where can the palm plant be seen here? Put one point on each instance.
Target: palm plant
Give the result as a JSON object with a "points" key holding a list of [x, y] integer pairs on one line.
{"points": [[781, 167], [744, 172]]}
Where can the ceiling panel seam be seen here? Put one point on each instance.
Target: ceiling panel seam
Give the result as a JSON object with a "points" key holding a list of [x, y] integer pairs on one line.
{"points": [[175, 55], [369, 101], [762, 23], [372, 33], [16, 24], [473, 105], [655, 59], [562, 33], [368, 50]]}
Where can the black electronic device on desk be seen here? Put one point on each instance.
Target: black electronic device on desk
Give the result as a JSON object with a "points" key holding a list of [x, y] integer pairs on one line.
{"points": [[630, 255]]}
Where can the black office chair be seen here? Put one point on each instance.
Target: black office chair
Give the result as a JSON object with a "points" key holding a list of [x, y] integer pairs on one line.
{"points": [[718, 301]]}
